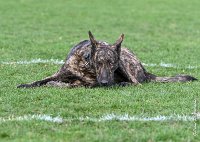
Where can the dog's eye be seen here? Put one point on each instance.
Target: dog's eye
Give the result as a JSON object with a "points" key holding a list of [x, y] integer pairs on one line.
{"points": [[86, 56]]}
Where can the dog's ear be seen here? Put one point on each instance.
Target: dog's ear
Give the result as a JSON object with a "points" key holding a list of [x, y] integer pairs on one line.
{"points": [[92, 39], [117, 44], [93, 42]]}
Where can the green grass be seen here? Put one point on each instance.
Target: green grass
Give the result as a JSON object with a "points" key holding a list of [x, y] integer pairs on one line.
{"points": [[156, 30]]}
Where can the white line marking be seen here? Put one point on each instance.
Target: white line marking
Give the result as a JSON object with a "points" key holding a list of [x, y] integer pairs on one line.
{"points": [[36, 61], [169, 65], [127, 117], [57, 61], [107, 117], [32, 117]]}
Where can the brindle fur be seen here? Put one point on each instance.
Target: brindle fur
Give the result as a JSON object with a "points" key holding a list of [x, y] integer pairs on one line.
{"points": [[92, 63]]}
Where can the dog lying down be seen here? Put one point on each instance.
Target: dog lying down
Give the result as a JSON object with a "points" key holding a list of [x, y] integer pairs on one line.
{"points": [[93, 63]]}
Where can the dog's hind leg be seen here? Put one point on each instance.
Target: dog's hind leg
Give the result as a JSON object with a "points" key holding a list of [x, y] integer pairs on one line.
{"points": [[130, 75], [37, 83]]}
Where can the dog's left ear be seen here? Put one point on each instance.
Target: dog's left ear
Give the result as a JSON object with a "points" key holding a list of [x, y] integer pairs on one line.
{"points": [[93, 42], [117, 44]]}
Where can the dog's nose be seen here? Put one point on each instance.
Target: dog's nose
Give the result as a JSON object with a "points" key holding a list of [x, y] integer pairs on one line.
{"points": [[104, 82]]}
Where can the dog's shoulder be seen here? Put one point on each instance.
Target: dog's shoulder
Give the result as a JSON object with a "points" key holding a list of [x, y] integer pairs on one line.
{"points": [[80, 46]]}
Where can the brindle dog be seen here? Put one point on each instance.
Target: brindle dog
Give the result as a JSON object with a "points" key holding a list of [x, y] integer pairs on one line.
{"points": [[90, 63], [95, 63]]}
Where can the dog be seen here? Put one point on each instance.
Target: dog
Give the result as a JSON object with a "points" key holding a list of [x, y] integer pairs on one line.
{"points": [[93, 63], [89, 63]]}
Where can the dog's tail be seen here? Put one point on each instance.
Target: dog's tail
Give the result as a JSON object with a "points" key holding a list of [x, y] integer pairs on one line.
{"points": [[37, 83], [177, 78]]}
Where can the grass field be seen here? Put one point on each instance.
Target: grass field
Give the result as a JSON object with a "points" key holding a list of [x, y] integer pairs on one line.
{"points": [[158, 31]]}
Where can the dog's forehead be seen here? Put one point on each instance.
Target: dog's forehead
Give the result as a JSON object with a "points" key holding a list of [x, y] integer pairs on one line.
{"points": [[103, 43], [105, 50], [104, 53]]}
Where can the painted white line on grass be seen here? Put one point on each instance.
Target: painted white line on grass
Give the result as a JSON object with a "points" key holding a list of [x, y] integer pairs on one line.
{"points": [[127, 117], [42, 117], [36, 61], [169, 65], [56, 61], [107, 117]]}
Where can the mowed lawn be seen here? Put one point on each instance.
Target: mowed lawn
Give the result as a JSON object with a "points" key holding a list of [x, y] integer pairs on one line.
{"points": [[161, 32]]}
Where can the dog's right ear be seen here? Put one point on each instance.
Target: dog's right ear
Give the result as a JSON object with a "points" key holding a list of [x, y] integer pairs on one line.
{"points": [[93, 42], [117, 44]]}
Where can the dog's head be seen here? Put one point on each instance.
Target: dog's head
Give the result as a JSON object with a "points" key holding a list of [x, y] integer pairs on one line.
{"points": [[105, 59]]}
